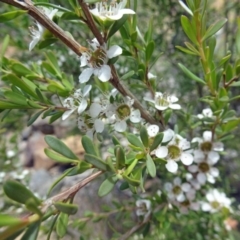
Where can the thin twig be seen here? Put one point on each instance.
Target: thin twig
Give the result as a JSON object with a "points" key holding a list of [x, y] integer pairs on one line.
{"points": [[69, 193]]}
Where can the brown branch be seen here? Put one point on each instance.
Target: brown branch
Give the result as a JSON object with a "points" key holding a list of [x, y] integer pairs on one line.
{"points": [[90, 22], [69, 193], [48, 24]]}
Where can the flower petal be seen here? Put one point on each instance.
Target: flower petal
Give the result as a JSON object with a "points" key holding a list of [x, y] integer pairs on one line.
{"points": [[82, 106], [161, 152], [99, 125], [86, 90], [85, 75], [114, 51], [187, 158], [201, 177], [67, 113], [168, 135], [104, 74], [172, 166], [135, 116], [207, 136], [152, 130], [175, 106], [120, 126], [94, 110]]}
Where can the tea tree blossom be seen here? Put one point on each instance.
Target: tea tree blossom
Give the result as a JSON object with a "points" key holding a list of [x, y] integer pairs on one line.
{"points": [[37, 33], [204, 168], [76, 102], [216, 201], [96, 60], [177, 189], [122, 113], [206, 113], [162, 101], [177, 149], [114, 11], [206, 143], [143, 207], [89, 126]]}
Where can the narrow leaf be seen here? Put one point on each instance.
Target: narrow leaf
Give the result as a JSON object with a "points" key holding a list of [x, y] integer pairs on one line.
{"points": [[107, 185], [59, 147]]}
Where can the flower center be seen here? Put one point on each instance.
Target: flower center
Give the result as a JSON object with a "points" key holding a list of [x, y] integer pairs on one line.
{"points": [[206, 146], [98, 58], [176, 190], [215, 204], [185, 203], [174, 152], [123, 111], [204, 167], [162, 101]]}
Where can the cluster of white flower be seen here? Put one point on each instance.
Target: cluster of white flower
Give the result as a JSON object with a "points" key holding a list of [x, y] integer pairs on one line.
{"points": [[173, 148]]}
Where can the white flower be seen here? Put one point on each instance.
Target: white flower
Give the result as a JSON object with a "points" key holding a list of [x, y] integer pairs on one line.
{"points": [[151, 76], [89, 126], [162, 101], [216, 201], [77, 101], [206, 113], [177, 190], [114, 11], [123, 112], [143, 207], [97, 61], [204, 168], [206, 143], [177, 149], [152, 130], [37, 34]]}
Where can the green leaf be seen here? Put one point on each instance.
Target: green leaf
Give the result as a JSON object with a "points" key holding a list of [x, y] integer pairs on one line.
{"points": [[20, 69], [61, 225], [190, 74], [95, 161], [54, 63], [5, 17], [88, 145], [157, 140], [54, 117], [33, 206], [115, 140], [6, 220], [4, 104], [59, 147], [58, 157], [34, 117], [131, 181], [144, 136], [18, 192], [120, 157], [4, 46], [215, 27], [107, 185], [66, 207], [188, 29], [32, 232], [15, 98], [47, 42], [186, 50], [117, 25], [151, 166], [134, 140], [149, 50], [24, 84], [59, 179], [128, 75], [131, 167]]}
